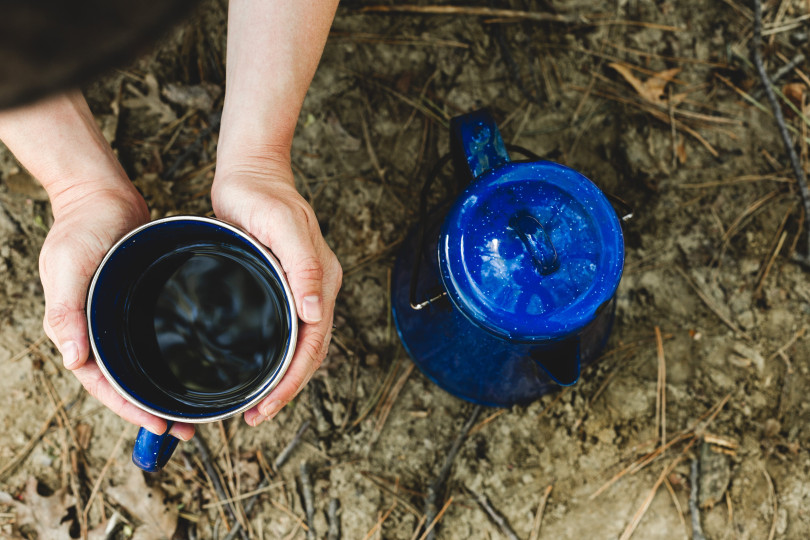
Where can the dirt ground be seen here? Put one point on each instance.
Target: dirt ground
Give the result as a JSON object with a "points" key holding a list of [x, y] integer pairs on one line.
{"points": [[708, 263]]}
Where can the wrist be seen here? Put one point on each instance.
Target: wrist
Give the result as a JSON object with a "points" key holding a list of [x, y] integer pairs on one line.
{"points": [[87, 196]]}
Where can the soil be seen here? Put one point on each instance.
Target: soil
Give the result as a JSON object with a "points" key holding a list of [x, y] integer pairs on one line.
{"points": [[717, 217]]}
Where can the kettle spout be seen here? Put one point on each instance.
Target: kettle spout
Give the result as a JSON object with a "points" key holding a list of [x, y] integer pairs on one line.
{"points": [[561, 362]]}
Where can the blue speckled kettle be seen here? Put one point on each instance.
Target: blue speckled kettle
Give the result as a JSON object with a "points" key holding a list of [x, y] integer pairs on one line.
{"points": [[506, 295]]}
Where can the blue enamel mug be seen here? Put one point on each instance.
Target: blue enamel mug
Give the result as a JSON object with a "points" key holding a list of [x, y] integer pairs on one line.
{"points": [[190, 319], [505, 294]]}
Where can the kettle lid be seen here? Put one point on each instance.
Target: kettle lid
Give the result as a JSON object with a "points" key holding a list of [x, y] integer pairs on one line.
{"points": [[531, 251]]}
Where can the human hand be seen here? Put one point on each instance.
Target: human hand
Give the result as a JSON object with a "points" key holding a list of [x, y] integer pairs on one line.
{"points": [[261, 198], [84, 229]]}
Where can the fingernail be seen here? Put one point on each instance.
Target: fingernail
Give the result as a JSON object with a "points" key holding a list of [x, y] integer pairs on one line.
{"points": [[259, 419], [155, 429], [70, 354], [269, 411], [173, 432], [312, 309]]}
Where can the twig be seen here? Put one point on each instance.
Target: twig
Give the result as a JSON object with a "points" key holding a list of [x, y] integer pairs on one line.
{"points": [[668, 485], [628, 531], [474, 11], [494, 515], [378, 526], [538, 516], [282, 458], [429, 530], [694, 507], [333, 533], [709, 304], [780, 121], [661, 395], [308, 500], [103, 473], [772, 493], [23, 453], [205, 457], [437, 487]]}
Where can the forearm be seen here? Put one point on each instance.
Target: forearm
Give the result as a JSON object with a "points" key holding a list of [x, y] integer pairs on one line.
{"points": [[59, 142], [273, 50]]}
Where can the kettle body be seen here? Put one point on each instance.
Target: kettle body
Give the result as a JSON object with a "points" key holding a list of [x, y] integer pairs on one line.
{"points": [[504, 295]]}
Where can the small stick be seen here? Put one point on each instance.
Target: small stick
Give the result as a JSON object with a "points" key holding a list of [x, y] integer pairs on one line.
{"points": [[435, 520], [285, 454], [243, 496], [101, 475], [281, 459], [538, 517], [378, 526], [23, 453], [709, 304], [390, 400], [475, 11], [677, 504], [780, 121], [437, 487], [205, 457], [27, 350], [772, 493], [661, 397], [333, 533], [694, 508], [499, 520], [628, 531], [308, 500]]}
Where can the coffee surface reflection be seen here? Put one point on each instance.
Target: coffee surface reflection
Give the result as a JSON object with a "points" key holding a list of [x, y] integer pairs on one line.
{"points": [[214, 323]]}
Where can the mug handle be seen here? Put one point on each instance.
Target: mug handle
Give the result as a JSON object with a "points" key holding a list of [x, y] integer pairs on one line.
{"points": [[152, 452], [476, 144]]}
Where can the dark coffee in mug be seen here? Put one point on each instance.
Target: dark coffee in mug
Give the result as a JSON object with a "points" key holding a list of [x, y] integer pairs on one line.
{"points": [[206, 321]]}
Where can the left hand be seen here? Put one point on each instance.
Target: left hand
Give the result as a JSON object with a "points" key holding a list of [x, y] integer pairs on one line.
{"points": [[261, 198]]}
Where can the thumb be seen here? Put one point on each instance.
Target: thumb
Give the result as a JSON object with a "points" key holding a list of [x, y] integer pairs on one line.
{"points": [[65, 321]]}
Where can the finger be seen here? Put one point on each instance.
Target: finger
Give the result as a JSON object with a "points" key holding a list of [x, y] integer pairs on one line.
{"points": [[308, 357], [291, 240], [65, 324], [99, 387]]}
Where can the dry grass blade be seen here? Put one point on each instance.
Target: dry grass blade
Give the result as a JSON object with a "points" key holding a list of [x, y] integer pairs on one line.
{"points": [[661, 395], [678, 506], [695, 431], [711, 305], [538, 516], [22, 354], [628, 531], [390, 400], [772, 494], [472, 10], [25, 450], [437, 518], [377, 526], [103, 473]]}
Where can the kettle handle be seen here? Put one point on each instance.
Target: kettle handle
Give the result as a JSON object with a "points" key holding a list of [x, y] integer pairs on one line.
{"points": [[476, 145]]}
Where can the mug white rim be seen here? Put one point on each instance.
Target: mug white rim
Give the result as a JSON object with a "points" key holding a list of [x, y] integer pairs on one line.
{"points": [[261, 392]]}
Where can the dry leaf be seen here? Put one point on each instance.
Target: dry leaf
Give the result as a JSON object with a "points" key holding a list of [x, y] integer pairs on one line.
{"points": [[151, 100], [794, 92], [84, 432], [48, 516], [651, 90], [147, 504]]}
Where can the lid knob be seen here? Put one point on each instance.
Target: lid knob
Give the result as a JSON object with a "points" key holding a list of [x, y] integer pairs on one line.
{"points": [[536, 241]]}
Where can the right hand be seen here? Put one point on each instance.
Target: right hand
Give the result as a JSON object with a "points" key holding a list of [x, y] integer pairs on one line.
{"points": [[84, 229]]}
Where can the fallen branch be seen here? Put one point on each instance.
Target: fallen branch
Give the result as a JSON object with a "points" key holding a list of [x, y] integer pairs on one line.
{"points": [[783, 131]]}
